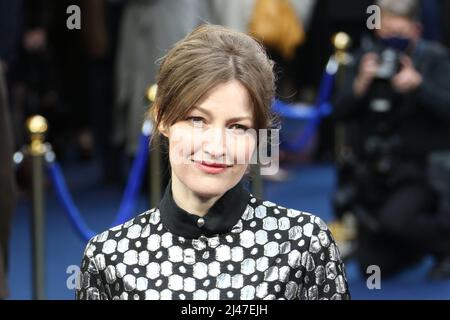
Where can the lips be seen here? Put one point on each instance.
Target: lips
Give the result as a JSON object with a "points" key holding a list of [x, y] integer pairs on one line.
{"points": [[211, 167], [214, 165]]}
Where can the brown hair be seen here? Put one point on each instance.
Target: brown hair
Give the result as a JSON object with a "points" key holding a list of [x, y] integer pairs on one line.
{"points": [[208, 56]]}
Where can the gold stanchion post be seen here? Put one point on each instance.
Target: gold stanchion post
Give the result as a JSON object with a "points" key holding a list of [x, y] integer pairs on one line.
{"points": [[37, 127], [342, 43], [344, 230]]}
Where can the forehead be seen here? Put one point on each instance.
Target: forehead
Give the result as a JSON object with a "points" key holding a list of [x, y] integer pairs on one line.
{"points": [[230, 99], [392, 24], [394, 21]]}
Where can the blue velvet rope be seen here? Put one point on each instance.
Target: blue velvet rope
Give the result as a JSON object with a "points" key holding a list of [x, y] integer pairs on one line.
{"points": [[134, 183], [129, 198], [66, 200]]}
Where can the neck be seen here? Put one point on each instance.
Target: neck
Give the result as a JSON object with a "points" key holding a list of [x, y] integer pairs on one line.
{"points": [[189, 201]]}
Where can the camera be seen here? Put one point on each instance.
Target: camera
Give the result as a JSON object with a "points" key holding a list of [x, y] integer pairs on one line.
{"points": [[382, 96], [389, 64]]}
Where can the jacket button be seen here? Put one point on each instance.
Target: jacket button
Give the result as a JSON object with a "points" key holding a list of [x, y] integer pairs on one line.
{"points": [[200, 222]]}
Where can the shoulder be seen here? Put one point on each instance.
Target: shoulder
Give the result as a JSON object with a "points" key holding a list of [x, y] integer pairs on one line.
{"points": [[118, 237], [433, 48], [433, 56], [295, 222], [303, 235]]}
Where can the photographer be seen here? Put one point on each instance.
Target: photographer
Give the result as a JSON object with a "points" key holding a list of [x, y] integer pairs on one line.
{"points": [[396, 96]]}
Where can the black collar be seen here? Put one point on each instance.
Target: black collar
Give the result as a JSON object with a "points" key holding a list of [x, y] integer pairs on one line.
{"points": [[220, 218]]}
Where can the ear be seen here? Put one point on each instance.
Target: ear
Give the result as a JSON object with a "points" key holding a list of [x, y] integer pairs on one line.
{"points": [[418, 30], [163, 129]]}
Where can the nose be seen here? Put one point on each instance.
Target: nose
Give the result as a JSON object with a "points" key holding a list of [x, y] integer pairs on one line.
{"points": [[214, 143]]}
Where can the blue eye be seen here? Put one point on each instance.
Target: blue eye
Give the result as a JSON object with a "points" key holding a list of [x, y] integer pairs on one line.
{"points": [[239, 128], [196, 121]]}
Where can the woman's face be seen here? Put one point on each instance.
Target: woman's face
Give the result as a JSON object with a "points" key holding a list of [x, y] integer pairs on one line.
{"points": [[210, 149]]}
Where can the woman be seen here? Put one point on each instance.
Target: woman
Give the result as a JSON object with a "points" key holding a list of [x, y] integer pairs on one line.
{"points": [[209, 238]]}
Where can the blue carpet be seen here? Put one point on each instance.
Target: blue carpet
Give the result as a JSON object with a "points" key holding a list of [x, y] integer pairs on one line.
{"points": [[308, 189]]}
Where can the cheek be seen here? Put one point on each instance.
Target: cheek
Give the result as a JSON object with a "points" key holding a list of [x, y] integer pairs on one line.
{"points": [[185, 143], [182, 144], [241, 149]]}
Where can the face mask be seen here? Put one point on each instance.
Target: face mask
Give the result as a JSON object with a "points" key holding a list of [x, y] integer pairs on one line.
{"points": [[397, 43]]}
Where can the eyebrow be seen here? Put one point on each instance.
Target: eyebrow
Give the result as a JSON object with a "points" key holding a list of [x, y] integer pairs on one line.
{"points": [[232, 119]]}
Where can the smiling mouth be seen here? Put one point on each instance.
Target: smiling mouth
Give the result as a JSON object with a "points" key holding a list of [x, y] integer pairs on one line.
{"points": [[213, 164]]}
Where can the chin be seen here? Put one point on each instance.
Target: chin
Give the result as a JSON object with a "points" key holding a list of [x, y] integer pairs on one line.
{"points": [[208, 187]]}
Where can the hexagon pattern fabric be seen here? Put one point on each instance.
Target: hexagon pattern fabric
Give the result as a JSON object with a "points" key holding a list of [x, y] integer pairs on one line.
{"points": [[271, 253]]}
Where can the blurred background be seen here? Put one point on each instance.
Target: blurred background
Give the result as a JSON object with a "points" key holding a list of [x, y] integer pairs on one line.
{"points": [[367, 153]]}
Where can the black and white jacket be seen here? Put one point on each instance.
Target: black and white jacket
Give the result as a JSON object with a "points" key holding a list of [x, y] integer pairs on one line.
{"points": [[242, 249]]}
